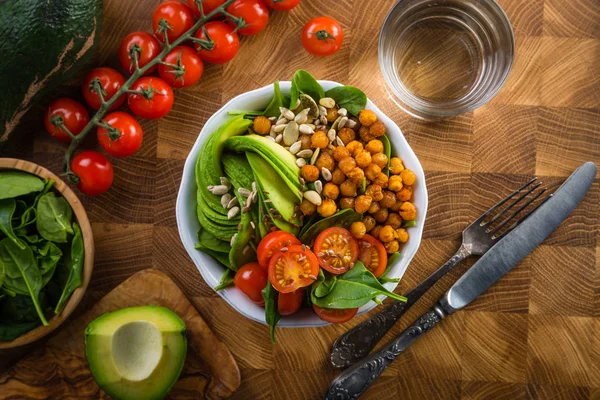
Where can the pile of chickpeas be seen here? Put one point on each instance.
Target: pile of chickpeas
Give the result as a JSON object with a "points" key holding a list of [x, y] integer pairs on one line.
{"points": [[385, 202]]}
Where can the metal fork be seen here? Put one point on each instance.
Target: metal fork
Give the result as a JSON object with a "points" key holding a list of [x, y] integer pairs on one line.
{"points": [[477, 239]]}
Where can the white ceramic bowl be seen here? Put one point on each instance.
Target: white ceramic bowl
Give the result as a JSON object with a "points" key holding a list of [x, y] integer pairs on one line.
{"points": [[211, 271]]}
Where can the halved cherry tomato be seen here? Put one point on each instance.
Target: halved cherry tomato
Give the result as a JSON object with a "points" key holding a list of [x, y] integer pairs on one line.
{"points": [[282, 5], [174, 17], [154, 100], [336, 249], [71, 113], [322, 36], [225, 42], [289, 303], [295, 268], [207, 6], [95, 172], [372, 254], [189, 67], [110, 81], [142, 45], [124, 136], [335, 315], [251, 280], [254, 13], [271, 244]]}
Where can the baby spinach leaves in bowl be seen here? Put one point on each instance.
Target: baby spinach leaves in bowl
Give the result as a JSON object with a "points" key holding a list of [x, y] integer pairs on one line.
{"points": [[41, 253]]}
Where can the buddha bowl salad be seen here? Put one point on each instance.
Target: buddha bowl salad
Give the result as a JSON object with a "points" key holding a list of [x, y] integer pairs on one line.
{"points": [[303, 202]]}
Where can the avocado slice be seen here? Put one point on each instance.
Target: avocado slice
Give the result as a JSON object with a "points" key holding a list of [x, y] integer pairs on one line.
{"points": [[136, 353]]}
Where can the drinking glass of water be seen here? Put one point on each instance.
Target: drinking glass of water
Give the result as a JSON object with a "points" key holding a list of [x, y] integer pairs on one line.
{"points": [[441, 58]]}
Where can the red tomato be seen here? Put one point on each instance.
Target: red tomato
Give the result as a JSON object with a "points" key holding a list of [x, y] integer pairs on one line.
{"points": [[71, 113], [207, 5], [322, 36], [110, 82], [295, 268], [254, 13], [337, 250], [271, 244], [95, 172], [144, 45], [373, 255], [189, 67], [282, 5], [251, 280], [335, 315], [225, 42], [154, 100], [289, 303], [174, 17], [124, 136]]}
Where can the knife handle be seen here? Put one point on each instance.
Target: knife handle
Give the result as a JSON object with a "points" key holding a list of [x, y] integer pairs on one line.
{"points": [[360, 340], [355, 380]]}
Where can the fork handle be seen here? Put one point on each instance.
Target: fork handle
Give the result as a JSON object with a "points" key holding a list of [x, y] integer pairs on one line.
{"points": [[360, 340]]}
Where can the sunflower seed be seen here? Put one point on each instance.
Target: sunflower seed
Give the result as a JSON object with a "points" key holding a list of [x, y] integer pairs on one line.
{"points": [[225, 199], [272, 131], [291, 133], [295, 147], [322, 111], [254, 187], [233, 212], [317, 122], [272, 119], [246, 250], [339, 142], [306, 129], [271, 138], [279, 128], [232, 241], [331, 135], [319, 186], [281, 121], [330, 146], [351, 124], [244, 192], [342, 122], [326, 174], [253, 197], [252, 225], [343, 112], [233, 202], [313, 197], [313, 159], [286, 113], [323, 119], [218, 190], [302, 116], [311, 126], [304, 153], [301, 162], [327, 102]]}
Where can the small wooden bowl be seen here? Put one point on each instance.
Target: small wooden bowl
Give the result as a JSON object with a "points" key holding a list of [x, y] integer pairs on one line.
{"points": [[88, 243]]}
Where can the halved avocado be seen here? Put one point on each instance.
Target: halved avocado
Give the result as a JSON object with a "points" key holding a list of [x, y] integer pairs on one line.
{"points": [[137, 352]]}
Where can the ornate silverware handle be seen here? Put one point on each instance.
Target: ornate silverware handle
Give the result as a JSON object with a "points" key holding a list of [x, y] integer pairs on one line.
{"points": [[355, 380], [360, 340]]}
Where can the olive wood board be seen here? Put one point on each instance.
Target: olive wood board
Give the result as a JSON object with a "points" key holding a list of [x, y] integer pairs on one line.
{"points": [[59, 369]]}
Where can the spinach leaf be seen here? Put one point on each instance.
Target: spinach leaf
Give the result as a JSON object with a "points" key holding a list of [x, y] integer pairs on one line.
{"points": [[387, 150], [343, 218], [47, 257], [226, 280], [30, 214], [21, 309], [409, 224], [2, 274], [304, 82], [17, 183], [7, 209], [326, 284], [391, 261], [9, 332], [54, 218], [272, 109], [352, 289], [272, 316], [32, 239], [352, 99], [22, 274], [72, 273]]}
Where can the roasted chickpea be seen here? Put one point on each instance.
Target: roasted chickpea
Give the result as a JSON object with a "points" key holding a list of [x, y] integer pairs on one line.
{"points": [[365, 134], [374, 207], [374, 146], [393, 220], [362, 203], [358, 229], [348, 188], [356, 175], [331, 191], [405, 193], [325, 160], [327, 208], [381, 180], [386, 234], [337, 176], [396, 166], [354, 147], [347, 202], [377, 129], [369, 222], [388, 199], [408, 211], [346, 135], [367, 117], [307, 207], [347, 164], [396, 206], [408, 177], [375, 192], [402, 235], [363, 159], [261, 125], [395, 183], [305, 141], [380, 160], [372, 171], [375, 231], [310, 173], [340, 152], [319, 140], [392, 247], [381, 215], [332, 114]]}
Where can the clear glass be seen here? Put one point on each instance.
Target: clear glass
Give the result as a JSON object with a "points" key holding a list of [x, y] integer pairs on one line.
{"points": [[442, 58]]}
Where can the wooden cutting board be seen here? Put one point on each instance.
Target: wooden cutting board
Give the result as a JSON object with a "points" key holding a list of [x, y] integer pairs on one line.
{"points": [[60, 370]]}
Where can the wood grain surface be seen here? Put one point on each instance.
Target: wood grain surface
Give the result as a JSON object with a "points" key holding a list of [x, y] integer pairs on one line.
{"points": [[535, 335]]}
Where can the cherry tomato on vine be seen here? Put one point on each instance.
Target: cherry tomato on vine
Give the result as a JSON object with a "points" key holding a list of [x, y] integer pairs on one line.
{"points": [[174, 17], [289, 303], [121, 135], [372, 254], [189, 67], [73, 115], [226, 42], [154, 100], [337, 250], [295, 268], [335, 315], [271, 244], [253, 12], [110, 81], [251, 280], [322, 36], [207, 5], [144, 45], [95, 172], [282, 5]]}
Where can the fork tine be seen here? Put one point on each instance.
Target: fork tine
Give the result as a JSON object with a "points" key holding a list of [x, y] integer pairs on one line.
{"points": [[514, 214], [511, 205], [501, 202]]}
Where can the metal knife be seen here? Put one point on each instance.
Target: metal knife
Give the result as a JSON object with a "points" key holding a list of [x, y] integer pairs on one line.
{"points": [[493, 265]]}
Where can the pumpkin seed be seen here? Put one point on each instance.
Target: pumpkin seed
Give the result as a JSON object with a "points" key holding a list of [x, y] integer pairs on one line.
{"points": [[306, 153], [327, 102], [314, 157], [313, 197], [301, 162], [294, 148], [306, 129], [233, 212], [343, 112], [326, 174], [319, 186], [291, 133], [307, 102], [225, 199]]}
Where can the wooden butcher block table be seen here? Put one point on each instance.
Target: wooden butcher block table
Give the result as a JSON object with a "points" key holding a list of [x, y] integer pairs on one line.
{"points": [[534, 335]]}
